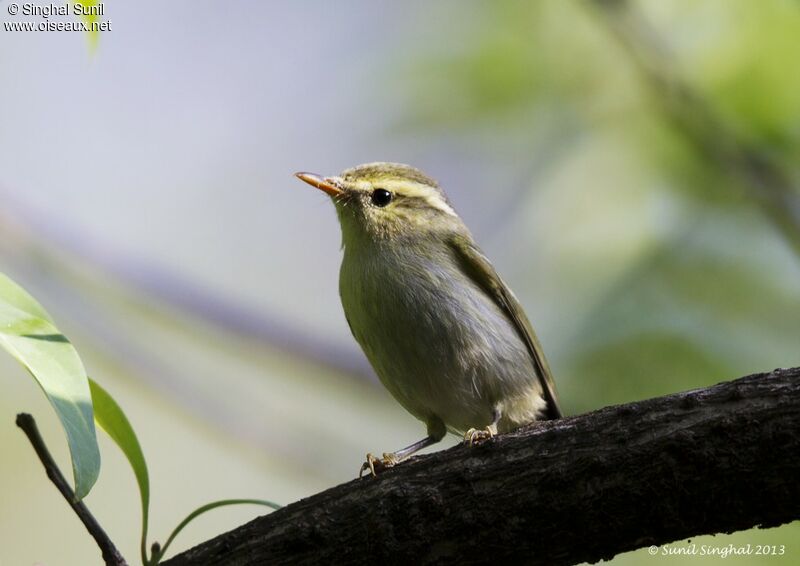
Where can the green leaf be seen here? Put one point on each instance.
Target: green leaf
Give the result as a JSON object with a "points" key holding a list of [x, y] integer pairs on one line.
{"points": [[208, 507], [112, 419], [27, 332]]}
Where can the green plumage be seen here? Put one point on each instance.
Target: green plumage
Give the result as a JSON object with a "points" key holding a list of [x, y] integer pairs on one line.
{"points": [[444, 333]]}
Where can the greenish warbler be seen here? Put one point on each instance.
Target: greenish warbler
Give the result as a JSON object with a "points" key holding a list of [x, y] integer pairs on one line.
{"points": [[445, 335]]}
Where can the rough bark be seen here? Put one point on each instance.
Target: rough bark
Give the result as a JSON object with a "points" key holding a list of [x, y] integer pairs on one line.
{"points": [[583, 488]]}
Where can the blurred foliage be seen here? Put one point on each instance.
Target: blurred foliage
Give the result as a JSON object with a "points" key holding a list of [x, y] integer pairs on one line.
{"points": [[681, 318], [700, 305], [90, 19], [701, 97], [747, 71]]}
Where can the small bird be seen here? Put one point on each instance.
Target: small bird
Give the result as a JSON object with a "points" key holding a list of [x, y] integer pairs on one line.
{"points": [[444, 333]]}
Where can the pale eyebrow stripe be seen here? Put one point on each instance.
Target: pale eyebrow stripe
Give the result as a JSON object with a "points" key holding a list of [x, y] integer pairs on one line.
{"points": [[424, 192]]}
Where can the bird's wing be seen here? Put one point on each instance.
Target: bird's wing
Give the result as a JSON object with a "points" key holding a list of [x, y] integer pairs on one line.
{"points": [[478, 267]]}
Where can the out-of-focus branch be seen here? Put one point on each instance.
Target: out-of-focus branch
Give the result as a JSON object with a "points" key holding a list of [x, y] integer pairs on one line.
{"points": [[579, 489], [53, 239], [90, 284], [764, 178]]}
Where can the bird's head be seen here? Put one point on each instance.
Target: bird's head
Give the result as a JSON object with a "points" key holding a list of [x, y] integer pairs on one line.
{"points": [[387, 201]]}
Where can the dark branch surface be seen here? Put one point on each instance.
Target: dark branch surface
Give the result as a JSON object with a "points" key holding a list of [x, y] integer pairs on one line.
{"points": [[584, 488], [111, 555]]}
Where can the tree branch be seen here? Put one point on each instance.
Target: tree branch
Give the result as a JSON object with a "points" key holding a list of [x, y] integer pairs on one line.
{"points": [[583, 488], [110, 553]]}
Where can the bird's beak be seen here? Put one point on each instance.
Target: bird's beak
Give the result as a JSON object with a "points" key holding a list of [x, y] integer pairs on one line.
{"points": [[322, 183]]}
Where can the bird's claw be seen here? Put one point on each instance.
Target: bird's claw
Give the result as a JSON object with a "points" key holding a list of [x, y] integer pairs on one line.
{"points": [[478, 436], [378, 465]]}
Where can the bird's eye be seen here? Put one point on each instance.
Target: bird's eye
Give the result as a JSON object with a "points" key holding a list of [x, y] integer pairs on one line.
{"points": [[381, 197]]}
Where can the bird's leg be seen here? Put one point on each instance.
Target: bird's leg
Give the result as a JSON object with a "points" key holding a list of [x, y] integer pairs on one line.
{"points": [[436, 431], [389, 459], [476, 436]]}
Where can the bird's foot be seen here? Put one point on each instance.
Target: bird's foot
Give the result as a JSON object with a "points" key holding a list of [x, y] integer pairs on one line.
{"points": [[378, 465], [478, 436]]}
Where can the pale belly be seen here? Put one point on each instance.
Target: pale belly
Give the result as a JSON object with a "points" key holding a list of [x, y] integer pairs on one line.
{"points": [[438, 343]]}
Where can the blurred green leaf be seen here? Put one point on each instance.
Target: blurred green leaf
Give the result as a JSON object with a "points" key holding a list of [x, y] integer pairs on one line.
{"points": [[112, 419], [685, 316], [494, 74], [750, 74], [28, 333], [643, 365], [90, 19], [110, 416]]}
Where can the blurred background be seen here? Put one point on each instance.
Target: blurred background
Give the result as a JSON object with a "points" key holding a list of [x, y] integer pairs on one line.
{"points": [[631, 167]]}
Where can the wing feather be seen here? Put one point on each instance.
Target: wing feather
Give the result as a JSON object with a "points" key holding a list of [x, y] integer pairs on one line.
{"points": [[480, 269]]}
